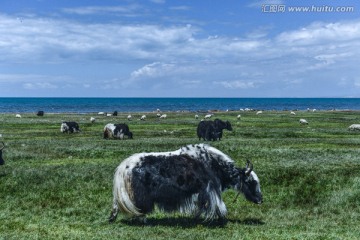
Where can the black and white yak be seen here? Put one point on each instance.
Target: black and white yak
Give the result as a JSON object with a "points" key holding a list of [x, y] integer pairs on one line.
{"points": [[212, 130], [2, 162], [189, 180], [117, 131], [69, 127]]}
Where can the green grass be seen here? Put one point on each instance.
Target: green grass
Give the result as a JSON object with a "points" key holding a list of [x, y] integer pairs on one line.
{"points": [[59, 186]]}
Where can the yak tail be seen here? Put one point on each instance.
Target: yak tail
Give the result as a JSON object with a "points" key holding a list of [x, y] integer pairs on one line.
{"points": [[123, 192]]}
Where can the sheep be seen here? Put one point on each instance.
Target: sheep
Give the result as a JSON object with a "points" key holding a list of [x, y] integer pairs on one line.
{"points": [[354, 127], [163, 116], [196, 116], [143, 117], [208, 116], [303, 121], [92, 119], [129, 117], [18, 116], [292, 113], [259, 112], [238, 117]]}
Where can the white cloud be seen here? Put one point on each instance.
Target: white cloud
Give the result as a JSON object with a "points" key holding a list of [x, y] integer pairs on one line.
{"points": [[152, 70], [237, 84], [89, 10], [320, 32], [39, 85]]}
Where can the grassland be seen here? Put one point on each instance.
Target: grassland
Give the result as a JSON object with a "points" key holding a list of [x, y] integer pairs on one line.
{"points": [[58, 186]]}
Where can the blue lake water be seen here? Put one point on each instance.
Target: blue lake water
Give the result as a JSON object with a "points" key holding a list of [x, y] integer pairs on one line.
{"points": [[88, 105]]}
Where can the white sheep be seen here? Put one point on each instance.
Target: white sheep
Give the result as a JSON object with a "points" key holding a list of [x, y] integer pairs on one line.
{"points": [[303, 121], [292, 113], [18, 115], [238, 117], [129, 117], [158, 115], [92, 119], [259, 112], [101, 113], [208, 116], [143, 117], [354, 127], [163, 116], [109, 114], [196, 116]]}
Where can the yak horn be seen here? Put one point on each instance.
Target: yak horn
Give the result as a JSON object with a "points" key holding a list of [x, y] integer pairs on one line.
{"points": [[248, 170], [3, 145]]}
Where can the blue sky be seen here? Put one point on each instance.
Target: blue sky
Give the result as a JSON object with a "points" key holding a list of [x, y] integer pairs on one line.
{"points": [[187, 48]]}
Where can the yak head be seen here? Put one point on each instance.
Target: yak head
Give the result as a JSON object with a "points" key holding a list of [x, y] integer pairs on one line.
{"points": [[228, 126], [249, 184], [2, 162]]}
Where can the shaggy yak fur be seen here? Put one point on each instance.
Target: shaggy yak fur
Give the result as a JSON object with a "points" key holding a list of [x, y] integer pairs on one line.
{"points": [[189, 180]]}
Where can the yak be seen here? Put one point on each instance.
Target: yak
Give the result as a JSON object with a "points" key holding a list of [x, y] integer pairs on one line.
{"points": [[212, 130], [2, 162], [190, 180], [117, 131], [207, 131], [69, 127]]}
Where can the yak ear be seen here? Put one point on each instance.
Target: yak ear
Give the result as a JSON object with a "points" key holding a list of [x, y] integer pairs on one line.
{"points": [[249, 168]]}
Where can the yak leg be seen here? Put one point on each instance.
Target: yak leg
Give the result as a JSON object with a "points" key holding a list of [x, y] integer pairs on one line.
{"points": [[114, 212]]}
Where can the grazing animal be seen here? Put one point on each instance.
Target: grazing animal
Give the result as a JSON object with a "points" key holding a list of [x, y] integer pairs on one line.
{"points": [[40, 113], [92, 119], [143, 117], [207, 131], [259, 112], [196, 116], [292, 113], [208, 116], [115, 113], [163, 116], [129, 117], [212, 130], [238, 117], [117, 131], [303, 121], [18, 116], [221, 125], [2, 162], [354, 127], [190, 180], [69, 127], [101, 113]]}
